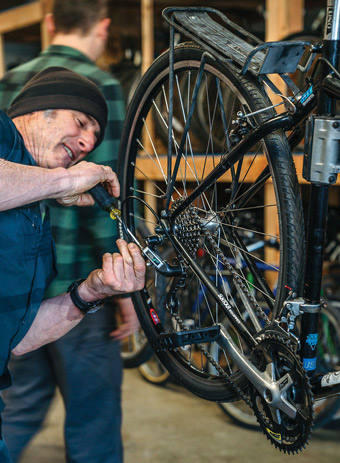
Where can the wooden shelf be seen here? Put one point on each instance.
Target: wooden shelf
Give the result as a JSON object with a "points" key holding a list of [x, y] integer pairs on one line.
{"points": [[154, 172]]}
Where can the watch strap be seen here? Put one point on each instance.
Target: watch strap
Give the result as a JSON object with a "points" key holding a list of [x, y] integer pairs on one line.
{"points": [[83, 306]]}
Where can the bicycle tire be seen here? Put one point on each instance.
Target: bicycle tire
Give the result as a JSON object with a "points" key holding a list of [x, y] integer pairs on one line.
{"points": [[154, 372], [135, 350], [242, 93]]}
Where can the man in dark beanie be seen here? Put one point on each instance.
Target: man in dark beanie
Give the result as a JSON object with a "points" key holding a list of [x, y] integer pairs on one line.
{"points": [[53, 127], [59, 88], [79, 30]]}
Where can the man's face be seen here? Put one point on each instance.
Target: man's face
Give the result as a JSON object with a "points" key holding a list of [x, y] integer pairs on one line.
{"points": [[60, 137]]}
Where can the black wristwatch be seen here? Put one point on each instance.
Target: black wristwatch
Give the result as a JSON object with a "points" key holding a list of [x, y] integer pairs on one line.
{"points": [[83, 306]]}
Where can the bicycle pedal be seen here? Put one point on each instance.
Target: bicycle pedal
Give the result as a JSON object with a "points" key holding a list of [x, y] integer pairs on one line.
{"points": [[184, 338]]}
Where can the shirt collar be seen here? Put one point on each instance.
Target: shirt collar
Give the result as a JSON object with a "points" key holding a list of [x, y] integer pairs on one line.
{"points": [[66, 51]]}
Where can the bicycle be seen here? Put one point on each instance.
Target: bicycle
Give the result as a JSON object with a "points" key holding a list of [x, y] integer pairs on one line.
{"points": [[190, 199], [328, 351]]}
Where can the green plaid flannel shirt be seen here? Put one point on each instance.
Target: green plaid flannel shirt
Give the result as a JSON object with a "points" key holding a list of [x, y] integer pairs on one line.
{"points": [[82, 234]]}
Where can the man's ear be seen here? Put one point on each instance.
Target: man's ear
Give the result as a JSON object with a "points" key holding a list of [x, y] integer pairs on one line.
{"points": [[103, 28], [49, 23]]}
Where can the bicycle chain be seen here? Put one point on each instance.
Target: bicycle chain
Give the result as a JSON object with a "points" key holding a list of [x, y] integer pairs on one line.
{"points": [[239, 393], [236, 278], [192, 217]]}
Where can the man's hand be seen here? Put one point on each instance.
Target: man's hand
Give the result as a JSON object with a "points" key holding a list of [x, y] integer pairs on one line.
{"points": [[129, 320], [82, 177], [120, 273], [21, 184]]}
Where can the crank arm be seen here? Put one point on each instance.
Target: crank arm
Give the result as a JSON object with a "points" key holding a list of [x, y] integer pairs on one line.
{"points": [[272, 391]]}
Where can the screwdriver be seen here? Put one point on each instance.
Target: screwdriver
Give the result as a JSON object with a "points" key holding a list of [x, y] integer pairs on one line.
{"points": [[105, 201], [109, 204]]}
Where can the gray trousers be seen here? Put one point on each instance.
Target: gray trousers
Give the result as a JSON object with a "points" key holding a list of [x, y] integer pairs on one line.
{"points": [[86, 366]]}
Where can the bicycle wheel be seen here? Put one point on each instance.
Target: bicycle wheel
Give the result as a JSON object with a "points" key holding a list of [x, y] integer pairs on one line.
{"points": [[154, 372], [135, 350], [217, 228]]}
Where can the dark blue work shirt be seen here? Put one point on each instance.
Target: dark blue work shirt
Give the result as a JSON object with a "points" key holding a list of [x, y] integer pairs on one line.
{"points": [[27, 256]]}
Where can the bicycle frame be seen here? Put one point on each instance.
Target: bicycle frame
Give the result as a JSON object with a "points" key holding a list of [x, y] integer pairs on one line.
{"points": [[324, 100]]}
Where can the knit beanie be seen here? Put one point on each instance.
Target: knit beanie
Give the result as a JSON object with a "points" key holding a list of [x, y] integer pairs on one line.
{"points": [[60, 88]]}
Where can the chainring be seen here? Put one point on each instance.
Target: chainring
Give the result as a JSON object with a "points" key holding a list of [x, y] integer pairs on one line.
{"points": [[288, 434]]}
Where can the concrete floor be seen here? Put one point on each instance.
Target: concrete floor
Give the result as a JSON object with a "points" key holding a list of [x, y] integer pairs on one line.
{"points": [[167, 425]]}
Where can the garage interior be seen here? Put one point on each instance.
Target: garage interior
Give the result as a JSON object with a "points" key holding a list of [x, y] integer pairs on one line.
{"points": [[165, 423]]}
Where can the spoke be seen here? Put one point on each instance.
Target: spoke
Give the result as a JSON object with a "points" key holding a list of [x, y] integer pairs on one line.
{"points": [[165, 99], [209, 142], [256, 232], [188, 140], [242, 277], [183, 111], [223, 115], [204, 292], [245, 176], [211, 119], [176, 144], [158, 165], [147, 193], [223, 280], [263, 206], [149, 180], [233, 245], [165, 123], [142, 219]]}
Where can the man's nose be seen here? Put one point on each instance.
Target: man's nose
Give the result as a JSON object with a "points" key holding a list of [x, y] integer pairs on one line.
{"points": [[87, 140]]}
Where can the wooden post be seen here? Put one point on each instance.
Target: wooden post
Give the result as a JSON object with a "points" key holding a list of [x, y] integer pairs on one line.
{"points": [[283, 17], [46, 6], [147, 28]]}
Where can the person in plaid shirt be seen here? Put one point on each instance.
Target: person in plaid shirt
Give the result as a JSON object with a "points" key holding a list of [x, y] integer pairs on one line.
{"points": [[85, 364]]}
